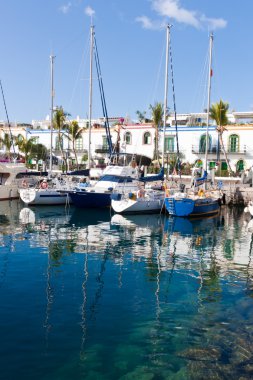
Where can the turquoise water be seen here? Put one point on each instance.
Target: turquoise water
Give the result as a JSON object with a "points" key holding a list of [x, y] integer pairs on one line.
{"points": [[87, 295]]}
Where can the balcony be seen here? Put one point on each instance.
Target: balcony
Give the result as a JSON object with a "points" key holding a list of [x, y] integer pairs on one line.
{"points": [[213, 150]]}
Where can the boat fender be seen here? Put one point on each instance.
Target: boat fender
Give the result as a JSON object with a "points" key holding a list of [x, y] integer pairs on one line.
{"points": [[167, 193], [201, 193], [44, 185], [140, 193]]}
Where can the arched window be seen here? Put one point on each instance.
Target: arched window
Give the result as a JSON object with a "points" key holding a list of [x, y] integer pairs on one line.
{"points": [[240, 166], [202, 143], [234, 143], [128, 138], [147, 138]]}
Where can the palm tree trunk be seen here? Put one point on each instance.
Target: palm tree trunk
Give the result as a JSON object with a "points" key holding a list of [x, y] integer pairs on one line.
{"points": [[61, 150], [74, 150]]}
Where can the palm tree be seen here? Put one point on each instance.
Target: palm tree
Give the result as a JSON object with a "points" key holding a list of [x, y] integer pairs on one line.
{"points": [[74, 132], [218, 112], [59, 123], [25, 145], [7, 142], [157, 118]]}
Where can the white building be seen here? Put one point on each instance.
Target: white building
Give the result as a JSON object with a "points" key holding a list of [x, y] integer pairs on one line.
{"points": [[138, 139]]}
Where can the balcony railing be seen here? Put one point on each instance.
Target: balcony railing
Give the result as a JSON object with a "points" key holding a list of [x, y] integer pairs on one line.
{"points": [[214, 150]]}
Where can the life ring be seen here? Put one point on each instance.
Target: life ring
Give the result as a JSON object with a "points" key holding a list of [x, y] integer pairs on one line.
{"points": [[24, 183], [44, 185]]}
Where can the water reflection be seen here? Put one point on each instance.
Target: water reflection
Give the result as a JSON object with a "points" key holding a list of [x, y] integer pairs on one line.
{"points": [[116, 297]]}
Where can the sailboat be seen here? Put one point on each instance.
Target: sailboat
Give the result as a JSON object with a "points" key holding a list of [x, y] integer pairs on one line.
{"points": [[147, 200], [47, 191], [201, 202]]}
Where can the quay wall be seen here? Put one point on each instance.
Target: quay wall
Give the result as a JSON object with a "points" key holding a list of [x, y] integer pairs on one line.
{"points": [[236, 192]]}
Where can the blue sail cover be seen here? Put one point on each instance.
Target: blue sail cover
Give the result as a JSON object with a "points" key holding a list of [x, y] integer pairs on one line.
{"points": [[152, 178], [201, 180]]}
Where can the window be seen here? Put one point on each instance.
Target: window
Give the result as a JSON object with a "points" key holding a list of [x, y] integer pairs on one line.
{"points": [[202, 143], [224, 165], [147, 138], [234, 143], [105, 142], [169, 144], [128, 138], [240, 166], [58, 143], [79, 144]]}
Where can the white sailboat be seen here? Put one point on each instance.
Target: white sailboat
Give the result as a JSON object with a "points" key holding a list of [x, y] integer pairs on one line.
{"points": [[48, 191], [147, 200]]}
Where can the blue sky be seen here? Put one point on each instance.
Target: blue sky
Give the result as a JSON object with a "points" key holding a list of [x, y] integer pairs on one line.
{"points": [[131, 44]]}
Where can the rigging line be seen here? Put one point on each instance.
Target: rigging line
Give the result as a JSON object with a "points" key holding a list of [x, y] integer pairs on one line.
{"points": [[9, 126], [83, 63], [177, 163], [155, 87], [201, 85], [106, 121]]}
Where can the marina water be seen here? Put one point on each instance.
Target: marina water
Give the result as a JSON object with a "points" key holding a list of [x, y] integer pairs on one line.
{"points": [[90, 295]]}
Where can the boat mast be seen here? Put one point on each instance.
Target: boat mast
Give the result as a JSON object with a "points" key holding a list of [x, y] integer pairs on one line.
{"points": [[52, 57], [90, 91], [208, 96], [8, 121], [165, 90]]}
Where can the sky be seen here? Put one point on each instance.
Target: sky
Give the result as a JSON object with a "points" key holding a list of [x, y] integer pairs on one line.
{"points": [[131, 40]]}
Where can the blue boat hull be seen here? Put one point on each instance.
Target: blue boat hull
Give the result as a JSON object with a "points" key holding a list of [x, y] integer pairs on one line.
{"points": [[189, 207], [90, 199]]}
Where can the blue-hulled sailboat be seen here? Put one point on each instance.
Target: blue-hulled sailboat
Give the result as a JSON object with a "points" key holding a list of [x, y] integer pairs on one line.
{"points": [[199, 203]]}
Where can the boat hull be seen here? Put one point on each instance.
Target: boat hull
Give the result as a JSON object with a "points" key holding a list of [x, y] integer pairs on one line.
{"points": [[87, 199], [192, 207], [43, 197], [150, 203]]}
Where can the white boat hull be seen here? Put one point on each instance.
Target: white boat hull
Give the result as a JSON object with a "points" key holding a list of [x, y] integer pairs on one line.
{"points": [[33, 196], [150, 203]]}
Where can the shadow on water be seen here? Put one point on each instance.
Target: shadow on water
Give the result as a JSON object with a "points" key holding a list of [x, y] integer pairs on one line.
{"points": [[85, 217]]}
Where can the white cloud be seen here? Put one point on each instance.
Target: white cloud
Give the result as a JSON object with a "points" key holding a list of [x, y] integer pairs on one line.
{"points": [[214, 23], [172, 9], [149, 24], [89, 11], [65, 8]]}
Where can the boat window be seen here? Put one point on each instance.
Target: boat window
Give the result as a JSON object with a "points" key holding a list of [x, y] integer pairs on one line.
{"points": [[115, 178]]}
